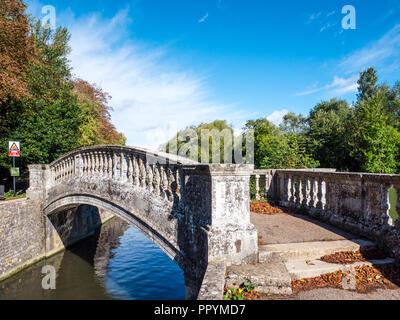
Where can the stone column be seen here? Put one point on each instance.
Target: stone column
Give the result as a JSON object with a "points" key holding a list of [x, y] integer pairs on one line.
{"points": [[216, 198], [38, 181]]}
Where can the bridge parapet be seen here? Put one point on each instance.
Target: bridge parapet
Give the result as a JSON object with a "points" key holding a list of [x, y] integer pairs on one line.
{"points": [[358, 202]]}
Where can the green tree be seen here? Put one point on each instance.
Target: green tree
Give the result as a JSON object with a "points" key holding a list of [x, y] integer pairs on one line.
{"points": [[293, 123], [367, 84], [192, 142], [327, 131], [374, 142], [277, 149]]}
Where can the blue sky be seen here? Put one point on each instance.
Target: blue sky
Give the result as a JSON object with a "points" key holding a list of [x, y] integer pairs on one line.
{"points": [[169, 64]]}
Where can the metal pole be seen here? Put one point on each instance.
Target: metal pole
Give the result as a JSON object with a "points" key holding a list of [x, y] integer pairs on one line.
{"points": [[14, 176]]}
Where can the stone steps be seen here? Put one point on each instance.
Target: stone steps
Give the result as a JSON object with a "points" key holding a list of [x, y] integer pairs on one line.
{"points": [[279, 264], [308, 250], [301, 269]]}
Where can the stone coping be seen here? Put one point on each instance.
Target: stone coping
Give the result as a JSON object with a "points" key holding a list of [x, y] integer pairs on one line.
{"points": [[143, 151]]}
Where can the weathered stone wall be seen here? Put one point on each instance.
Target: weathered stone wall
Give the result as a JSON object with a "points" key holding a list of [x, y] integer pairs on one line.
{"points": [[21, 235], [27, 235], [357, 202]]}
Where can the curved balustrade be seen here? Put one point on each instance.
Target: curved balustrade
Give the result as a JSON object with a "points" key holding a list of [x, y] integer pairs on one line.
{"points": [[158, 173]]}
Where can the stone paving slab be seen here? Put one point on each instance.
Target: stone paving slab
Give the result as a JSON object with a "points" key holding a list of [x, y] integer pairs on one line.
{"points": [[295, 228]]}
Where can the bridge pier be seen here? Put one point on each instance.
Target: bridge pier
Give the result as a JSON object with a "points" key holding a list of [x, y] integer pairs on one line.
{"points": [[216, 198]]}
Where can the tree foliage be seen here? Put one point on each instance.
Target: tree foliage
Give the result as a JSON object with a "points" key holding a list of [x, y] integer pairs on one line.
{"points": [[43, 106], [16, 50]]}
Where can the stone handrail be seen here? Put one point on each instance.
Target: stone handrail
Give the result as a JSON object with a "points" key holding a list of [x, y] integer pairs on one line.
{"points": [[358, 202]]}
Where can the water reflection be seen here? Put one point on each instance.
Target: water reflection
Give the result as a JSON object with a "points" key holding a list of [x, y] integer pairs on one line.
{"points": [[118, 262]]}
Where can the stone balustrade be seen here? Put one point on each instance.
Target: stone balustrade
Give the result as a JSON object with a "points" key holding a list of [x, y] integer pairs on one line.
{"points": [[358, 202], [156, 172]]}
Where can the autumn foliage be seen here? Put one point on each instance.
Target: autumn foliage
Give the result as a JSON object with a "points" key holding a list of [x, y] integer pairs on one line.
{"points": [[16, 49]]}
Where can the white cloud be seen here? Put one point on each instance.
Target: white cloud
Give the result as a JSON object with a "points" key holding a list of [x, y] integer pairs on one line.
{"points": [[276, 117], [314, 16], [203, 18], [338, 86], [380, 53], [149, 95]]}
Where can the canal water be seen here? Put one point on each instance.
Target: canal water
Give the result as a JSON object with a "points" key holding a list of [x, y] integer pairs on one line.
{"points": [[118, 262]]}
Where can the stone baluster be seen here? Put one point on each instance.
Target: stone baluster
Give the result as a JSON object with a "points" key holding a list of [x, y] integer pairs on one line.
{"points": [[149, 177], [136, 172], [157, 180], [306, 192], [130, 168], [385, 205], [319, 204], [124, 166], [78, 165], [90, 164], [110, 159], [86, 171], [142, 173], [96, 163], [66, 168], [287, 189], [171, 183], [102, 163], [114, 159], [257, 178], [313, 193], [292, 190], [62, 170], [163, 182]]}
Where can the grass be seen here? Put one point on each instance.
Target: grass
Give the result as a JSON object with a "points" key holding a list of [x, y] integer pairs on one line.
{"points": [[9, 195], [393, 201]]}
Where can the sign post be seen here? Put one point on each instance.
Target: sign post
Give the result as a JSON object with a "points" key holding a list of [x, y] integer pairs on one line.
{"points": [[14, 151]]}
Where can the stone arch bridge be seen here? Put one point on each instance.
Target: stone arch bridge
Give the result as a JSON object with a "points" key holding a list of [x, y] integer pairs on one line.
{"points": [[196, 213]]}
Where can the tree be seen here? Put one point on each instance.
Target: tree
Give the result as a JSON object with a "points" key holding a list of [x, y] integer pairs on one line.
{"points": [[96, 127], [374, 142], [275, 149], [367, 84], [327, 131], [16, 50], [207, 143], [293, 123]]}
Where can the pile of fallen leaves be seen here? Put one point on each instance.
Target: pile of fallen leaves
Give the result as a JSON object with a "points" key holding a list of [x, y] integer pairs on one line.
{"points": [[349, 257], [263, 207], [367, 279]]}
